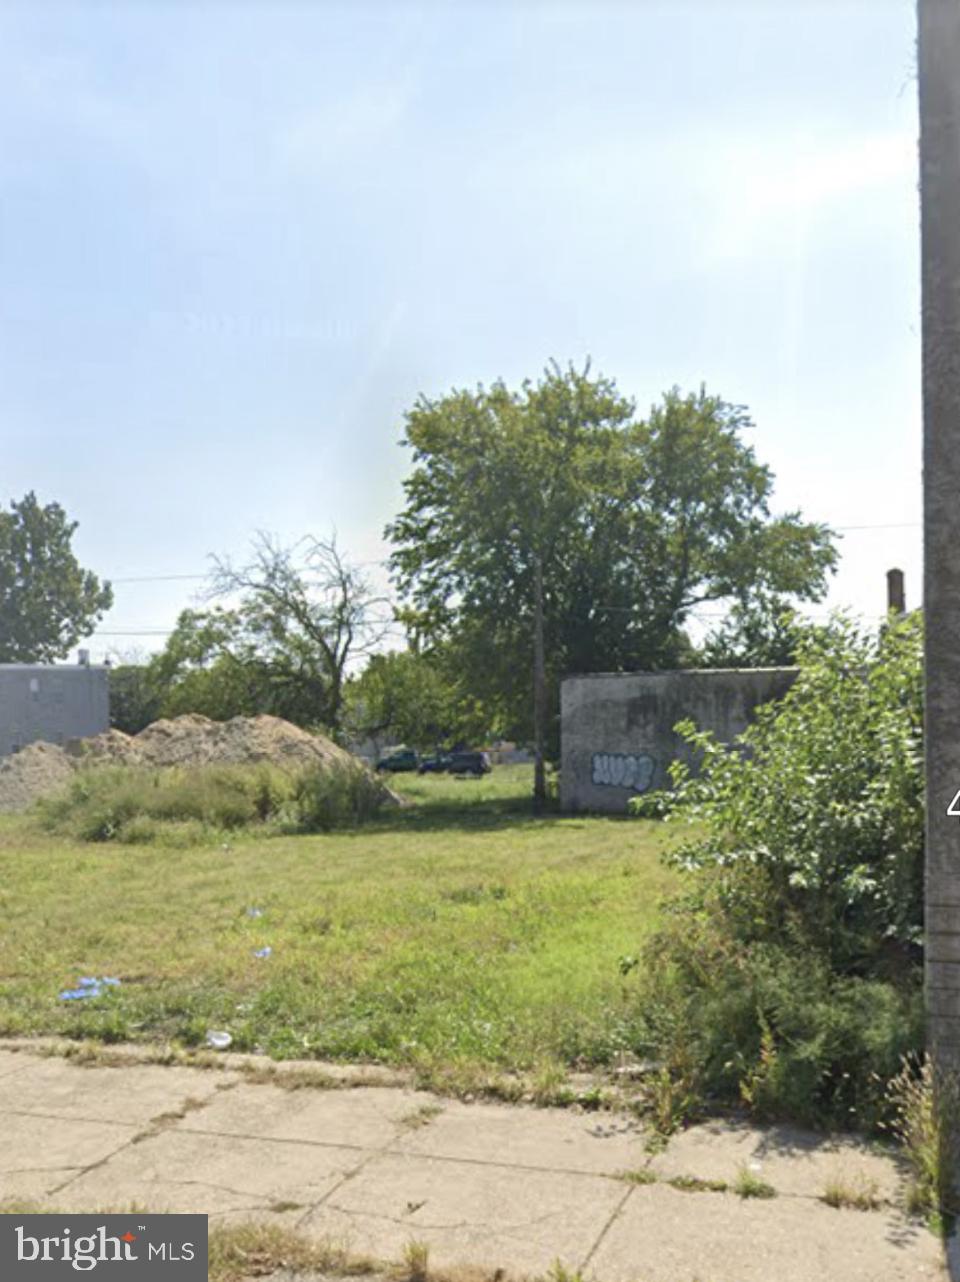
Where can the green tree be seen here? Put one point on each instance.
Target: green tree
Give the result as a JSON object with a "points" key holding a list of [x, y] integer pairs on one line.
{"points": [[761, 634], [134, 696], [413, 699], [551, 512], [300, 616], [210, 665], [48, 602]]}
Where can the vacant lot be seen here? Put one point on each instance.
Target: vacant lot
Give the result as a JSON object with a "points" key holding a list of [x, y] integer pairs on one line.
{"points": [[460, 932]]}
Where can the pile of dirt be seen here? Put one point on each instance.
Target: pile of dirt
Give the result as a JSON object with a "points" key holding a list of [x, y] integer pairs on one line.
{"points": [[195, 740], [190, 740], [35, 771]]}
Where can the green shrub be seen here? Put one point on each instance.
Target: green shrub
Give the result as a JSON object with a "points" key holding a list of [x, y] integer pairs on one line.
{"points": [[334, 797], [189, 805], [823, 795], [770, 1026]]}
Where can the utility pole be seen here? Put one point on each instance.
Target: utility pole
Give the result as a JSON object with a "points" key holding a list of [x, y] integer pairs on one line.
{"points": [[539, 690], [939, 84]]}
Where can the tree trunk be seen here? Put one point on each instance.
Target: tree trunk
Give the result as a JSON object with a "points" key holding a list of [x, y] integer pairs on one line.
{"points": [[539, 692], [939, 83]]}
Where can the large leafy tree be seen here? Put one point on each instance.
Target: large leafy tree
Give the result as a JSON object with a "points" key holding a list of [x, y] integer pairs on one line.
{"points": [[414, 699], [48, 602], [553, 509]]}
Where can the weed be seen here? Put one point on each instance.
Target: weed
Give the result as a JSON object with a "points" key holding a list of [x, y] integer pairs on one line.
{"points": [[748, 1184], [642, 1176], [693, 1184], [671, 1098], [290, 1079], [238, 1252], [926, 1120], [421, 1116], [416, 1261], [863, 1194], [560, 1273]]}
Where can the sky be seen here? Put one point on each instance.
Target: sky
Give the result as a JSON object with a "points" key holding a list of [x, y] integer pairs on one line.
{"points": [[237, 242]]}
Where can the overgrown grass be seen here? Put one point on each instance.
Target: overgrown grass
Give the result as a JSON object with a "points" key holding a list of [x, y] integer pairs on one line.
{"points": [[926, 1121], [460, 935], [190, 806]]}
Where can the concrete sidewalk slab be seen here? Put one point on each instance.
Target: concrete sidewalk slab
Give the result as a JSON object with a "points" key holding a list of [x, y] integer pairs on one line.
{"points": [[357, 1117], [663, 1235], [135, 1094], [37, 1154], [469, 1214], [212, 1174], [13, 1061], [791, 1159], [555, 1139]]}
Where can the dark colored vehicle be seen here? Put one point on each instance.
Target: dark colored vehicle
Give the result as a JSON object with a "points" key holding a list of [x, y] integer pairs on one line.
{"points": [[399, 761], [437, 765], [469, 763]]}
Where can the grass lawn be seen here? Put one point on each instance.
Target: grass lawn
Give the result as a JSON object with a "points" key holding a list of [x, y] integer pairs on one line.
{"points": [[458, 932]]}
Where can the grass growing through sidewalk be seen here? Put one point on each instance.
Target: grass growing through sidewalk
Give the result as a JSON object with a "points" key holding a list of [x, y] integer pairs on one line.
{"points": [[459, 935], [747, 1184]]}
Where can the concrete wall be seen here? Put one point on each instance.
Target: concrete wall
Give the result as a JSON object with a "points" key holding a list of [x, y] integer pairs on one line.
{"points": [[50, 702], [616, 729]]}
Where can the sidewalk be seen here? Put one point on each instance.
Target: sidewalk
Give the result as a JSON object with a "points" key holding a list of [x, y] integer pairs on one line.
{"points": [[495, 1186]]}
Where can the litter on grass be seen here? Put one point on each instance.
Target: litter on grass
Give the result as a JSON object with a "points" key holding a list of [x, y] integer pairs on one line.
{"points": [[254, 912], [262, 952], [218, 1039], [88, 986]]}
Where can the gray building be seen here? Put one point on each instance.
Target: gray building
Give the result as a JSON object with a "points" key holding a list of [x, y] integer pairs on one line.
{"points": [[53, 702], [616, 729]]}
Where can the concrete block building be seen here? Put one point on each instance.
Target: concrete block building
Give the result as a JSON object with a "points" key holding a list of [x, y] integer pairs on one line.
{"points": [[616, 729], [53, 702]]}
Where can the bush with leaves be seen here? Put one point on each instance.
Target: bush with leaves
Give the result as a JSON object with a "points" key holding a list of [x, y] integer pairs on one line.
{"points": [[788, 975], [823, 794]]}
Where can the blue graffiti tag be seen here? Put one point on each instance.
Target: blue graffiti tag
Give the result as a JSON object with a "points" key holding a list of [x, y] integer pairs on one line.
{"points": [[623, 770]]}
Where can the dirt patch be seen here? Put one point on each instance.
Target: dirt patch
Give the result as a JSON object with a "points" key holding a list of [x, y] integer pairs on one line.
{"points": [[190, 740]]}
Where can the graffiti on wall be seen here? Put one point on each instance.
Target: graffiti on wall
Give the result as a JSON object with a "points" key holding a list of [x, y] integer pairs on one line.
{"points": [[633, 770]]}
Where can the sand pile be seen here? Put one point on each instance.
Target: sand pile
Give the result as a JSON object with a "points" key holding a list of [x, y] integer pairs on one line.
{"points": [[190, 740], [33, 772]]}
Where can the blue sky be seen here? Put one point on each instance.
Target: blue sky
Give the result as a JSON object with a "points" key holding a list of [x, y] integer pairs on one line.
{"points": [[237, 241]]}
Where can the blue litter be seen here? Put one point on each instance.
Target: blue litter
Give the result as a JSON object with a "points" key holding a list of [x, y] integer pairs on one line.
{"points": [[254, 912], [88, 986], [262, 952]]}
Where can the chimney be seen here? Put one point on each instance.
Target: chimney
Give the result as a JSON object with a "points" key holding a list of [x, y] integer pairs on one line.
{"points": [[896, 601], [83, 658]]}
